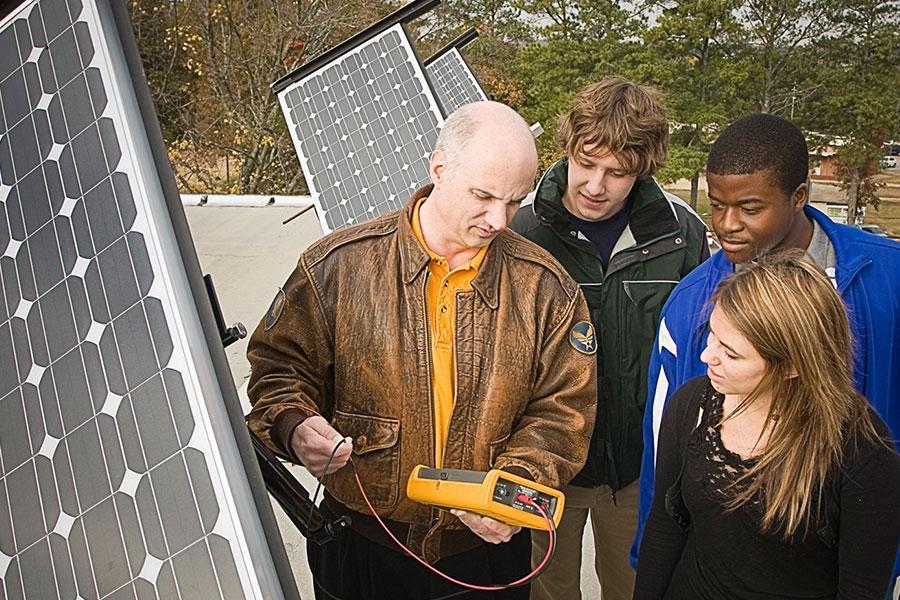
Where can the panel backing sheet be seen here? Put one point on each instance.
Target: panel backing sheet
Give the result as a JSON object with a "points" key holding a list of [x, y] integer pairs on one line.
{"points": [[113, 482], [363, 126], [453, 81]]}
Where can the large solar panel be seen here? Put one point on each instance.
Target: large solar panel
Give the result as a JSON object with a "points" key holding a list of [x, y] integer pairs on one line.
{"points": [[453, 81], [120, 472], [363, 126]]}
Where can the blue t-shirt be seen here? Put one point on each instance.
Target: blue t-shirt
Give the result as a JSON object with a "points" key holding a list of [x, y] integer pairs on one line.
{"points": [[603, 234]]}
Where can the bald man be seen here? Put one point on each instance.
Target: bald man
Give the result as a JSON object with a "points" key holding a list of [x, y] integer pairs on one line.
{"points": [[429, 336]]}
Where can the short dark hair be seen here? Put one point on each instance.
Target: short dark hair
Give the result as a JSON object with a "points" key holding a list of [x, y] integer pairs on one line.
{"points": [[762, 142]]}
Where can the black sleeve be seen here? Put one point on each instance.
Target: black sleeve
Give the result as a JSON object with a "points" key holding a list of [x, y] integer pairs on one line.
{"points": [[663, 539], [870, 519]]}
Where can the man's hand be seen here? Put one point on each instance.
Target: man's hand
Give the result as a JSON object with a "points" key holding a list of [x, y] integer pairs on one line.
{"points": [[313, 442], [488, 529]]}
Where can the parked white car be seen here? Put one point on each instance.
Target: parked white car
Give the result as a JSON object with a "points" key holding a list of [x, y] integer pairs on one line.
{"points": [[889, 162]]}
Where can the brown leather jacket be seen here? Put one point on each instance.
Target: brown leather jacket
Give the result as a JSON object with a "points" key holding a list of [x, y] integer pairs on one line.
{"points": [[351, 344]]}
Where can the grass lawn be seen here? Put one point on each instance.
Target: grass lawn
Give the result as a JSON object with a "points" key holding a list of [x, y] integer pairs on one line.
{"points": [[887, 215]]}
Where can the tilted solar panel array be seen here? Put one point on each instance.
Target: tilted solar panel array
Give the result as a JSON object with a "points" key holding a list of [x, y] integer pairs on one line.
{"points": [[112, 484], [453, 81], [363, 126]]}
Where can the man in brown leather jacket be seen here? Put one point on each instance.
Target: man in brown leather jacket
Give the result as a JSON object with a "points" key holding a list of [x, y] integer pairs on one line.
{"points": [[429, 336]]}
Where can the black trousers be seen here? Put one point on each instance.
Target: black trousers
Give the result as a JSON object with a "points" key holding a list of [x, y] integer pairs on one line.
{"points": [[355, 568]]}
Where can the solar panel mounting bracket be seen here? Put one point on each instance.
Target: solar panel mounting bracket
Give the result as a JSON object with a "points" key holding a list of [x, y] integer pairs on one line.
{"points": [[231, 334]]}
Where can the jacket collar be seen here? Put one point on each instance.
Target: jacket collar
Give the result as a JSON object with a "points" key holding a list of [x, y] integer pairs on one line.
{"points": [[848, 265], [414, 258], [651, 216]]}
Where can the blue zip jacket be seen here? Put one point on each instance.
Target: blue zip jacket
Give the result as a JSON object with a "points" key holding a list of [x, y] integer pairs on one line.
{"points": [[867, 275]]}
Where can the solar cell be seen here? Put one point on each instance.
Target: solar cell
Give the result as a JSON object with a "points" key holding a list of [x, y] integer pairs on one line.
{"points": [[453, 81], [363, 126], [119, 474]]}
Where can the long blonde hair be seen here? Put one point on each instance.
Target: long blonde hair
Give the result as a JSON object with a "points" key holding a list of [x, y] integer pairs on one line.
{"points": [[789, 311]]}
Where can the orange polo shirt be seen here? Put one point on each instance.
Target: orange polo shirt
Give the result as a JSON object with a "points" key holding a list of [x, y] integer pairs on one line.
{"points": [[440, 307]]}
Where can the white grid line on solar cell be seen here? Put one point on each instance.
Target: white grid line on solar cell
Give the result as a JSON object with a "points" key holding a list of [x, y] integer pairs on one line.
{"points": [[453, 81], [363, 126], [112, 439]]}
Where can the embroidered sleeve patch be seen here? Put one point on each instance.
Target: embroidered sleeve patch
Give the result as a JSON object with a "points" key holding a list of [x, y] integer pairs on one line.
{"points": [[275, 309], [582, 337]]}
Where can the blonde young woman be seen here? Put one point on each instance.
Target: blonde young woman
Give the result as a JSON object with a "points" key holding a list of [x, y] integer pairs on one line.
{"points": [[774, 477]]}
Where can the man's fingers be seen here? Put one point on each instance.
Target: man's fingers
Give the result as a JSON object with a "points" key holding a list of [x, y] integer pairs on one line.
{"points": [[315, 442], [503, 531], [338, 457], [313, 446], [321, 426], [490, 530], [338, 464], [344, 450], [498, 532]]}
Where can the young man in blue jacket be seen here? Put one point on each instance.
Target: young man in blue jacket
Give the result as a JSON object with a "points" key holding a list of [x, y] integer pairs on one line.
{"points": [[756, 176]]}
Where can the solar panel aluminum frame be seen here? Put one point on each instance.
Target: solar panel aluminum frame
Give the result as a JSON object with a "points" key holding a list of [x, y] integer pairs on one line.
{"points": [[454, 49], [447, 107], [267, 544], [319, 66], [265, 570]]}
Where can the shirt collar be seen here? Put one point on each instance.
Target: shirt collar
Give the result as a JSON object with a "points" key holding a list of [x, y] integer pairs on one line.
{"points": [[413, 257], [415, 223]]}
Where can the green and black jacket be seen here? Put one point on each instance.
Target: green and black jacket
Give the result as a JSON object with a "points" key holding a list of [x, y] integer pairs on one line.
{"points": [[663, 241]]}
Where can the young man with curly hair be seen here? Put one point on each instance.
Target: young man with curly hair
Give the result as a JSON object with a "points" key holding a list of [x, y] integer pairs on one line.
{"points": [[627, 244]]}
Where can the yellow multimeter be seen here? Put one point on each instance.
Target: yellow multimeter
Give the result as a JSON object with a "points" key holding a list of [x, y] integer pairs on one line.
{"points": [[496, 494]]}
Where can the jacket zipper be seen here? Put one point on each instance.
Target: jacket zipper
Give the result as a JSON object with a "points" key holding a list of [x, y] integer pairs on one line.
{"points": [[607, 273], [613, 475], [595, 475]]}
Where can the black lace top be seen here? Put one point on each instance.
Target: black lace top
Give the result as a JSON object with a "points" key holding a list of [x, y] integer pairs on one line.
{"points": [[724, 468], [723, 554]]}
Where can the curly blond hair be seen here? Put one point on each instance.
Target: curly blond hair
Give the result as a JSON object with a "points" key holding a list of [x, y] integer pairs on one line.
{"points": [[622, 117]]}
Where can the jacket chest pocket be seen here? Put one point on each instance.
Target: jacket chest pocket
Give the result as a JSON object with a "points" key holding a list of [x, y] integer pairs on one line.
{"points": [[644, 299], [648, 295], [376, 452]]}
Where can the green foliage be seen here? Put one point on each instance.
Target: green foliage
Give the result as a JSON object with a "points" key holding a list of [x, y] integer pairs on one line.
{"points": [[829, 65], [693, 53], [684, 162], [858, 104], [777, 33], [575, 44]]}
